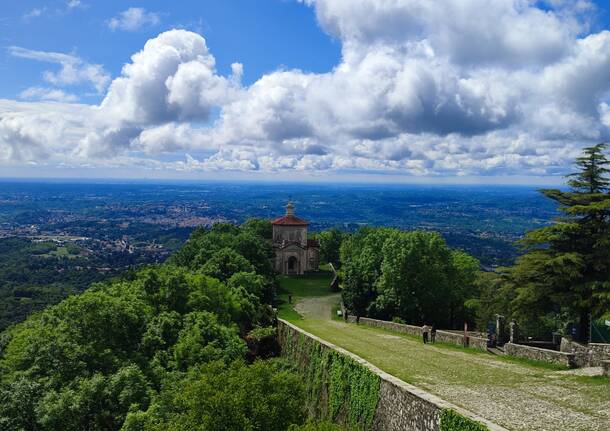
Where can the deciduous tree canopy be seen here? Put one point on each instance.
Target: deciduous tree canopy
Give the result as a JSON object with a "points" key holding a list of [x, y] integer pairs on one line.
{"points": [[162, 349]]}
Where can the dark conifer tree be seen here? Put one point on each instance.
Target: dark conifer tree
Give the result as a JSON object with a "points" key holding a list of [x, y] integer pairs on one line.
{"points": [[568, 263]]}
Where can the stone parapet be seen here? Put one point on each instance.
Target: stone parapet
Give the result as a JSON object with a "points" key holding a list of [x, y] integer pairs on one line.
{"points": [[542, 355], [450, 337], [586, 355], [400, 406], [392, 326], [479, 343]]}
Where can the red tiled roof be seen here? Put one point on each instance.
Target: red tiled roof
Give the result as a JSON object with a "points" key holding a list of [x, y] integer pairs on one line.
{"points": [[289, 220]]}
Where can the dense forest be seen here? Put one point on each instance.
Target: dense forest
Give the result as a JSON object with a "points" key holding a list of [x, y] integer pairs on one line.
{"points": [[186, 345], [36, 274]]}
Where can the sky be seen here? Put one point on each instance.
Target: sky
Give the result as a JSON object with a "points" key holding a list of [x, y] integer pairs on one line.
{"points": [[447, 91]]}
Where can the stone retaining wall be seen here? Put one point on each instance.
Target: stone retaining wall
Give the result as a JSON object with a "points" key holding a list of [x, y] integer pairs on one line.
{"points": [[477, 343], [450, 337], [590, 355], [400, 406], [538, 354]]}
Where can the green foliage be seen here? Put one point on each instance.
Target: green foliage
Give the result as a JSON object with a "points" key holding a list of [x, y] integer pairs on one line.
{"points": [[413, 276], [260, 227], [361, 260], [162, 348], [262, 343], [36, 274], [224, 263], [254, 284], [565, 272], [493, 297], [330, 245], [94, 403], [203, 339], [204, 244], [453, 421], [316, 426], [338, 388], [217, 397]]}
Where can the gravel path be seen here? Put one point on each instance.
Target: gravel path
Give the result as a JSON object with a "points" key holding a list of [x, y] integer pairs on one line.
{"points": [[515, 395], [318, 307]]}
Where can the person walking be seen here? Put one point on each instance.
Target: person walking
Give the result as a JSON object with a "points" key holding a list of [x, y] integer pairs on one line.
{"points": [[424, 333], [433, 335]]}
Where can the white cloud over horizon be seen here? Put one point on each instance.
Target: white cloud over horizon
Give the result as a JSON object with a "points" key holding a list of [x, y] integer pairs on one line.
{"points": [[451, 87]]}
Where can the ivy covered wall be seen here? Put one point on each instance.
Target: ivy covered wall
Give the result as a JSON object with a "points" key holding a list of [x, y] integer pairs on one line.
{"points": [[339, 388], [343, 390]]}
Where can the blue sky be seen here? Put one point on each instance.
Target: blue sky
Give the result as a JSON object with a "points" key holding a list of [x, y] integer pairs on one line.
{"points": [[264, 35], [405, 90]]}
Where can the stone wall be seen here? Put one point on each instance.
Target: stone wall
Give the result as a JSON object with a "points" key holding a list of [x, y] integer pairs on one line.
{"points": [[590, 355], [392, 326], [599, 353], [538, 354], [450, 337], [400, 406], [606, 368], [477, 343]]}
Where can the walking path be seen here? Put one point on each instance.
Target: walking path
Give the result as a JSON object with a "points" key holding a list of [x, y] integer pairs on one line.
{"points": [[511, 393]]}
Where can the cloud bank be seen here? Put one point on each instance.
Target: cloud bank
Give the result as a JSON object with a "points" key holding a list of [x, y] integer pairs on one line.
{"points": [[450, 87]]}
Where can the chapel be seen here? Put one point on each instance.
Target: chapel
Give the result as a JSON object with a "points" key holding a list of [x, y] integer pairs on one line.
{"points": [[294, 252]]}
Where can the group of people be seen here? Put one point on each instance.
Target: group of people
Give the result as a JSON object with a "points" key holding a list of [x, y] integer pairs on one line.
{"points": [[428, 334]]}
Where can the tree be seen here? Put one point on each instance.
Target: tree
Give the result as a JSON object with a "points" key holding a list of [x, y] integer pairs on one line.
{"points": [[260, 227], [261, 287], [96, 403], [568, 263], [217, 397], [492, 295], [417, 275], [330, 244], [204, 339], [361, 259], [413, 276], [96, 361], [226, 262]]}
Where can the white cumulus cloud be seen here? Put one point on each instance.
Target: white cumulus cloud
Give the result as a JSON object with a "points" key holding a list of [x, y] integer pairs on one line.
{"points": [[446, 87]]}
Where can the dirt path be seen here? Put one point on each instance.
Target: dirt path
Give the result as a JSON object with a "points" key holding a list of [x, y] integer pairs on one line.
{"points": [[515, 395], [319, 307]]}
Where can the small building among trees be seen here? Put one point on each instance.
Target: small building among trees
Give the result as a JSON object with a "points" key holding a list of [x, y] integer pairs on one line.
{"points": [[294, 252]]}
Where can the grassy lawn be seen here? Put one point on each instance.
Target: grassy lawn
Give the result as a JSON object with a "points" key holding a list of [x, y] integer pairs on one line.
{"points": [[306, 286], [517, 394]]}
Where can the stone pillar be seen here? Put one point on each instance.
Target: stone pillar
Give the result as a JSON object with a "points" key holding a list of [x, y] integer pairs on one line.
{"points": [[500, 336], [514, 332]]}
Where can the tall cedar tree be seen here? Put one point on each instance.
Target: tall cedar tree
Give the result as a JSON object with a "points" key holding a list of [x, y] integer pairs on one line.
{"points": [[568, 263]]}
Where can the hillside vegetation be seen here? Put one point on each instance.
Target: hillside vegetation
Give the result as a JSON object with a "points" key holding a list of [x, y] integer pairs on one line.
{"points": [[181, 346]]}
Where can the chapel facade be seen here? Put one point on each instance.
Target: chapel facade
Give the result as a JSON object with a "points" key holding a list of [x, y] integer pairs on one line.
{"points": [[294, 252]]}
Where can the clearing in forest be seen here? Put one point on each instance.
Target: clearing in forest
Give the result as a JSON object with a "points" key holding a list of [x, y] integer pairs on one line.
{"points": [[516, 394]]}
